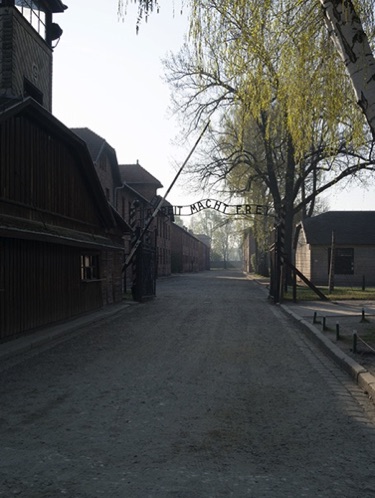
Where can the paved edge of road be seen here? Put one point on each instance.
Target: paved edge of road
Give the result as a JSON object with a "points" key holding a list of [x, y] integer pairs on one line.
{"points": [[359, 373], [60, 331]]}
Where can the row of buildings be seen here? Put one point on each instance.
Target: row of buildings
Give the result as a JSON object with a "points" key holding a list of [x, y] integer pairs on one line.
{"points": [[69, 213]]}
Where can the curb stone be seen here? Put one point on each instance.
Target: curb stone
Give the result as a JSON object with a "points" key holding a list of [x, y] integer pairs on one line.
{"points": [[363, 378], [61, 331]]}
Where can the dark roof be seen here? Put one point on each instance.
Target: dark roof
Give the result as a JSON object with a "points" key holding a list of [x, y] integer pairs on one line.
{"points": [[96, 145], [135, 174], [94, 142], [123, 224], [53, 6], [135, 193], [350, 227]]}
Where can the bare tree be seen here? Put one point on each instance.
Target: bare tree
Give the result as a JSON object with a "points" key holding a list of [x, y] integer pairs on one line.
{"points": [[253, 156]]}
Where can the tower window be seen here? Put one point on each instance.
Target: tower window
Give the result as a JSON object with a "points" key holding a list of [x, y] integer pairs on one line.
{"points": [[30, 9]]}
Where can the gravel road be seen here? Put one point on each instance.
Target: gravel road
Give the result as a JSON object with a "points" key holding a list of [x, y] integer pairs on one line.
{"points": [[207, 391]]}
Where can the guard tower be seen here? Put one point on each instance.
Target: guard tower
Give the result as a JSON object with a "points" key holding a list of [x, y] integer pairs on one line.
{"points": [[27, 38]]}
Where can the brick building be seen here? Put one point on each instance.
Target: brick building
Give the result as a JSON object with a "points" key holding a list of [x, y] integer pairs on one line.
{"points": [[139, 179], [189, 252]]}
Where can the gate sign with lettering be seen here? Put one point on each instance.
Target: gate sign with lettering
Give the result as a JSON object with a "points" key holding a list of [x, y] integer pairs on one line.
{"points": [[220, 206]]}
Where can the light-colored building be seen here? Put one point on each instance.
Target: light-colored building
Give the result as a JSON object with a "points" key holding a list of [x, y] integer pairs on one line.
{"points": [[354, 243]]}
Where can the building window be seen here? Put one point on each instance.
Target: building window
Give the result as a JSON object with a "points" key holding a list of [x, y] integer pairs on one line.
{"points": [[344, 260], [89, 266], [30, 9]]}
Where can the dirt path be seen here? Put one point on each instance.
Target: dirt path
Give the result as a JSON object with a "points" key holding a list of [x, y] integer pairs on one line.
{"points": [[208, 391]]}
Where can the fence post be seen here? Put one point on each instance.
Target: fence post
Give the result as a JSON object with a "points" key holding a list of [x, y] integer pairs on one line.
{"points": [[354, 341]]}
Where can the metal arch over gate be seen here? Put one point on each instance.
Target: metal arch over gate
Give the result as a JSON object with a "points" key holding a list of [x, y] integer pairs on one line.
{"points": [[145, 285], [219, 206]]}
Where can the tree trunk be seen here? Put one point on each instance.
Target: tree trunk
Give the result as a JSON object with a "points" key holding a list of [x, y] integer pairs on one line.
{"points": [[347, 33]]}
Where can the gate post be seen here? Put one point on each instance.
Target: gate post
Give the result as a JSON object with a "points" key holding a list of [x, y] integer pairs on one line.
{"points": [[278, 273], [281, 250], [275, 266]]}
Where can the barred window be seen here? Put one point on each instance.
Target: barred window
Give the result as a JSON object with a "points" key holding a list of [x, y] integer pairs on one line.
{"points": [[89, 266]]}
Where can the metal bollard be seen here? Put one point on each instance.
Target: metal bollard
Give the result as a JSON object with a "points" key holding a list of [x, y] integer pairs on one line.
{"points": [[363, 319], [315, 315], [354, 341], [337, 331], [324, 327]]}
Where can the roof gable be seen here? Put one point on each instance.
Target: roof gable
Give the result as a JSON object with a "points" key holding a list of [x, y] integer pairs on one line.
{"points": [[350, 227], [97, 147], [36, 114], [135, 174], [94, 142]]}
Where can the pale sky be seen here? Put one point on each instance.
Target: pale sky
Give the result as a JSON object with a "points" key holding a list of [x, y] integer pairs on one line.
{"points": [[109, 79]]}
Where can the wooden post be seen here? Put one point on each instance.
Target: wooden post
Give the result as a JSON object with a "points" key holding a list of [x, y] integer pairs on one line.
{"points": [[331, 278], [354, 341], [294, 286]]}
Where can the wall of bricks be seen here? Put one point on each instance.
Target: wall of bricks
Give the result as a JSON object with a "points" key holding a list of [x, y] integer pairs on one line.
{"points": [[23, 54]]}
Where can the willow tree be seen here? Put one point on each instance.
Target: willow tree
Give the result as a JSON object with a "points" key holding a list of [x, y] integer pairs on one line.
{"points": [[346, 22], [273, 63], [281, 106]]}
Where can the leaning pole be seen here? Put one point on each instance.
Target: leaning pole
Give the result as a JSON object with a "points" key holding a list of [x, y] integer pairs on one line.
{"points": [[161, 202]]}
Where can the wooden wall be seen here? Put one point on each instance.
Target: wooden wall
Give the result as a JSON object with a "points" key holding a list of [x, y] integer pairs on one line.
{"points": [[40, 283], [40, 177], [46, 176]]}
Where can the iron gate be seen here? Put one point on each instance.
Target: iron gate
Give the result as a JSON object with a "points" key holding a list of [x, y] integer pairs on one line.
{"points": [[144, 280]]}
